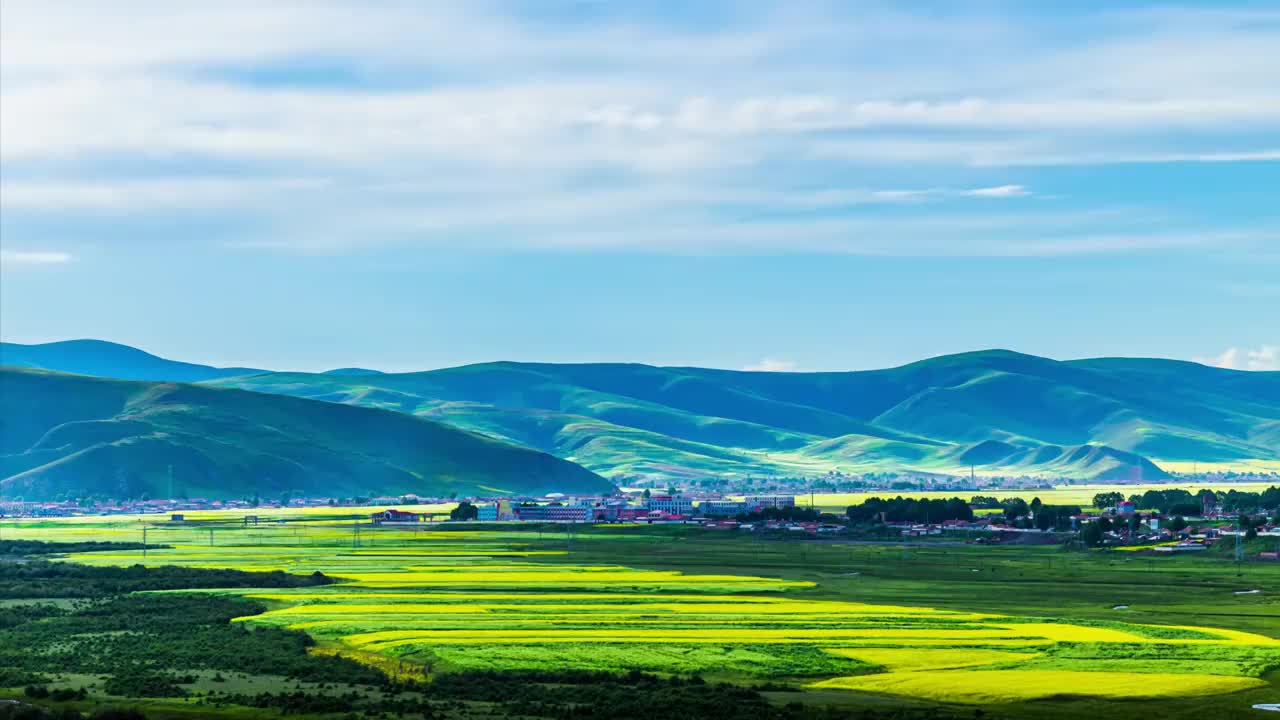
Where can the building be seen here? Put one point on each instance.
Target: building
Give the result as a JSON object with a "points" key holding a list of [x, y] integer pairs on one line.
{"points": [[1124, 507], [727, 508], [759, 502], [394, 516], [1209, 506], [629, 512], [552, 513], [487, 513], [669, 504], [612, 510]]}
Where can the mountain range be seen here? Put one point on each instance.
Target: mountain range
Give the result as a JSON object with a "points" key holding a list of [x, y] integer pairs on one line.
{"points": [[78, 436], [995, 411]]}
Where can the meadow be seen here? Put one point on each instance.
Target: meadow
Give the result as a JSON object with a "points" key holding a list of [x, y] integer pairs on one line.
{"points": [[1030, 631]]}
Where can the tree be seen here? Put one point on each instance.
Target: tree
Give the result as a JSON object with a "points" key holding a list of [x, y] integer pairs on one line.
{"points": [[1178, 523], [647, 494], [900, 509], [1270, 498], [1014, 507], [1107, 499], [464, 511], [1046, 518], [1091, 534]]}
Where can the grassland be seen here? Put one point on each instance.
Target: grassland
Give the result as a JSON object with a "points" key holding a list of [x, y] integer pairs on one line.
{"points": [[1033, 632]]}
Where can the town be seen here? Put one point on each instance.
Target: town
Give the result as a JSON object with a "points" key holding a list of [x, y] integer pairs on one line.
{"points": [[1165, 521]]}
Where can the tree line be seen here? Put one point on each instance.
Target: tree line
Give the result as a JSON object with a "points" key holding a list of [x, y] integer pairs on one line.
{"points": [[1179, 501]]}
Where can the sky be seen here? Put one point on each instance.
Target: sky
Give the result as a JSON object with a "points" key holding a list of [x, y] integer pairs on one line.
{"points": [[775, 186]]}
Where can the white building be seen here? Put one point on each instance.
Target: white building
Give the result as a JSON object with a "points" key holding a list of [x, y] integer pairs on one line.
{"points": [[669, 504], [773, 501], [722, 507]]}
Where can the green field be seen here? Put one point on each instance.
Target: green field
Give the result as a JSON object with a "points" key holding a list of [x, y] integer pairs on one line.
{"points": [[1026, 631]]}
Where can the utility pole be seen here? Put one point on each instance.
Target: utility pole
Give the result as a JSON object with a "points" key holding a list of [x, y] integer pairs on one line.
{"points": [[1239, 538], [210, 537], [144, 541]]}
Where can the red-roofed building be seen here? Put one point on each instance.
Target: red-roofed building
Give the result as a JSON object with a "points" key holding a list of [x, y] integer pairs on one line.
{"points": [[393, 515]]}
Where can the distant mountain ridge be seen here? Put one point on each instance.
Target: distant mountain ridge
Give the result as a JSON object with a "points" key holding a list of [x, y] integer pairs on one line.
{"points": [[75, 436], [107, 359], [996, 411]]}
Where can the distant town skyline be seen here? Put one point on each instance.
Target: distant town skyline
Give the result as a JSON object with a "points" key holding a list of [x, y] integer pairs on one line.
{"points": [[775, 186]]}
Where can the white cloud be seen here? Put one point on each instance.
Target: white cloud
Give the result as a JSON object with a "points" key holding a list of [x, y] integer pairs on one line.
{"points": [[1002, 191], [16, 258], [135, 194], [462, 123], [1265, 357], [772, 365]]}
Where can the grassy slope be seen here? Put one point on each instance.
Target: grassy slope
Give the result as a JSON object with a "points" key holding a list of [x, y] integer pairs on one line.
{"points": [[942, 414], [81, 435], [106, 359]]}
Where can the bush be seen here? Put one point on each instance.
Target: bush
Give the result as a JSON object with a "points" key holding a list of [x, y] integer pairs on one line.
{"points": [[117, 714]]}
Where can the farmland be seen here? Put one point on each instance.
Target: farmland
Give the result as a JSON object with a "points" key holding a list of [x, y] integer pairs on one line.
{"points": [[1018, 631]]}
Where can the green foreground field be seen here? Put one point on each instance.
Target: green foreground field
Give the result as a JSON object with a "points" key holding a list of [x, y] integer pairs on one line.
{"points": [[1017, 631]]}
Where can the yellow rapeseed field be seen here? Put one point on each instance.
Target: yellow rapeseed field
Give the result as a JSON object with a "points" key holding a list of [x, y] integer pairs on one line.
{"points": [[490, 599], [902, 659], [1003, 686]]}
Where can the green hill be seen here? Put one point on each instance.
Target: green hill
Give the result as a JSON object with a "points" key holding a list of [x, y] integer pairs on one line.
{"points": [[76, 435], [1093, 419], [1087, 419], [108, 359]]}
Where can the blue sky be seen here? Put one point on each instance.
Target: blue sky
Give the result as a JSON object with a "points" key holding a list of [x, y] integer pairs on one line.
{"points": [[793, 185]]}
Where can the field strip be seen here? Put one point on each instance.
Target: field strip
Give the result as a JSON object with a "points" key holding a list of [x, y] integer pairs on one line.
{"points": [[1005, 686]]}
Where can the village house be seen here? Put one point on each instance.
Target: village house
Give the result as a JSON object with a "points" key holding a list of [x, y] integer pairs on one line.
{"points": [[391, 515]]}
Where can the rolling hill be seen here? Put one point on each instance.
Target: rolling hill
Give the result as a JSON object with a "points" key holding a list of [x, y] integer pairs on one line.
{"points": [[75, 436], [996, 411], [1095, 420], [108, 359]]}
